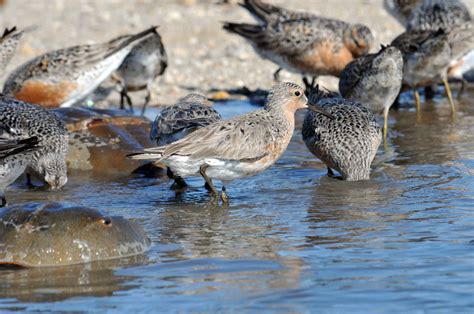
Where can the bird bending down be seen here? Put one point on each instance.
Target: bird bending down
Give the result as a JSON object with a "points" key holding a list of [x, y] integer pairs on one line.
{"points": [[190, 113], [348, 143], [65, 76], [33, 140], [426, 58], [301, 42], [239, 147], [143, 64], [374, 80]]}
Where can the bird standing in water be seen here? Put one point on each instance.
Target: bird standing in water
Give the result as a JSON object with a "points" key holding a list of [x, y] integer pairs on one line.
{"points": [[374, 80], [348, 143], [238, 147], [34, 141], [189, 114]]}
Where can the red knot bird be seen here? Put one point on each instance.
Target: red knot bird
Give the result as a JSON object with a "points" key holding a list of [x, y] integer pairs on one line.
{"points": [[143, 64], [426, 57], [63, 77], [190, 113], [239, 147], [374, 80], [348, 143], [8, 44], [21, 122], [302, 42]]}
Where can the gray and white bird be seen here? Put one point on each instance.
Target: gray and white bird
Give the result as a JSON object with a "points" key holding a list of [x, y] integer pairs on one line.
{"points": [[348, 143], [141, 67], [374, 80], [239, 147], [301, 42], [190, 113], [65, 76], [33, 127], [8, 45]]}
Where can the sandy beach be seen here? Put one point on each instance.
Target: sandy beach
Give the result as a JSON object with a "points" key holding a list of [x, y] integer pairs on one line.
{"points": [[202, 56]]}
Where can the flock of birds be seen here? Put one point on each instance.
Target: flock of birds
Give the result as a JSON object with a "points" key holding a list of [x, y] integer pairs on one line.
{"points": [[192, 138]]}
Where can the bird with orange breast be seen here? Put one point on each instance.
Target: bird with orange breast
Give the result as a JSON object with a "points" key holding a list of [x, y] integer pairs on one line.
{"points": [[65, 76], [301, 42]]}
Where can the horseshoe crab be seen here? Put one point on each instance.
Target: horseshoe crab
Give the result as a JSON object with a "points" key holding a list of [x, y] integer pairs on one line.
{"points": [[100, 139], [53, 235]]}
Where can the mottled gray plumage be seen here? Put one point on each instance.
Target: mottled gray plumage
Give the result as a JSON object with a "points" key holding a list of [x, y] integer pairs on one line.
{"points": [[374, 80], [63, 77], [238, 147], [20, 121], [8, 44], [143, 64], [186, 116], [347, 143], [301, 42], [438, 14]]}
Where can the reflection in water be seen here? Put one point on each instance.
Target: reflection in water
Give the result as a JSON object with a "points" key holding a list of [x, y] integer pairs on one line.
{"points": [[52, 284]]}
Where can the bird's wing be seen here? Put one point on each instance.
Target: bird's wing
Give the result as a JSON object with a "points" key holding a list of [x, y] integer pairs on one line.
{"points": [[8, 45], [243, 138], [9, 147], [354, 72]]}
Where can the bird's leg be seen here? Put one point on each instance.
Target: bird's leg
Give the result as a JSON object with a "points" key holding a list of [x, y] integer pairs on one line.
{"points": [[331, 173], [4, 200], [169, 173], [224, 197], [214, 193], [147, 99], [276, 75], [385, 122], [417, 104], [29, 183], [124, 97], [461, 90], [178, 183], [450, 97]]}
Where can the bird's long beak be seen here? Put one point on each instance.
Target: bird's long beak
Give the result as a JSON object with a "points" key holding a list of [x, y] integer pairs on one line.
{"points": [[320, 110]]}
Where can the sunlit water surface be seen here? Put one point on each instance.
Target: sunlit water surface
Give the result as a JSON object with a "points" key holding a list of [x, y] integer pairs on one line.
{"points": [[293, 240]]}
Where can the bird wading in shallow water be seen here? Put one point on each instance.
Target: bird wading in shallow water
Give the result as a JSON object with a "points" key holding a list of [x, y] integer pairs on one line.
{"points": [[65, 76], [190, 113], [143, 64], [33, 140], [374, 80], [238, 147], [348, 143], [302, 42]]}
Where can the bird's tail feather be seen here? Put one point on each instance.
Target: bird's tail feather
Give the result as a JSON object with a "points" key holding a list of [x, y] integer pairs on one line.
{"points": [[262, 11], [244, 30]]}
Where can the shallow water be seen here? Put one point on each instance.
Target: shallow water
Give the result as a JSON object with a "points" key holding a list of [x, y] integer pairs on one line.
{"points": [[292, 240]]}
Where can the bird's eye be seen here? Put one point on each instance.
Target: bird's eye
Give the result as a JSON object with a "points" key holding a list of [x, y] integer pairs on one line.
{"points": [[297, 93], [106, 221]]}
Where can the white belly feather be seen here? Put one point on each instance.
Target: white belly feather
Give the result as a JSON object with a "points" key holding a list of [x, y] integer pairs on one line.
{"points": [[218, 169]]}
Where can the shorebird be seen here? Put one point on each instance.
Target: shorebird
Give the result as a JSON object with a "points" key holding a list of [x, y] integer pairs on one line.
{"points": [[374, 80], [143, 64], [426, 58], [348, 143], [42, 141], [448, 15], [8, 44], [432, 15], [65, 76], [239, 147], [302, 42], [190, 113]]}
